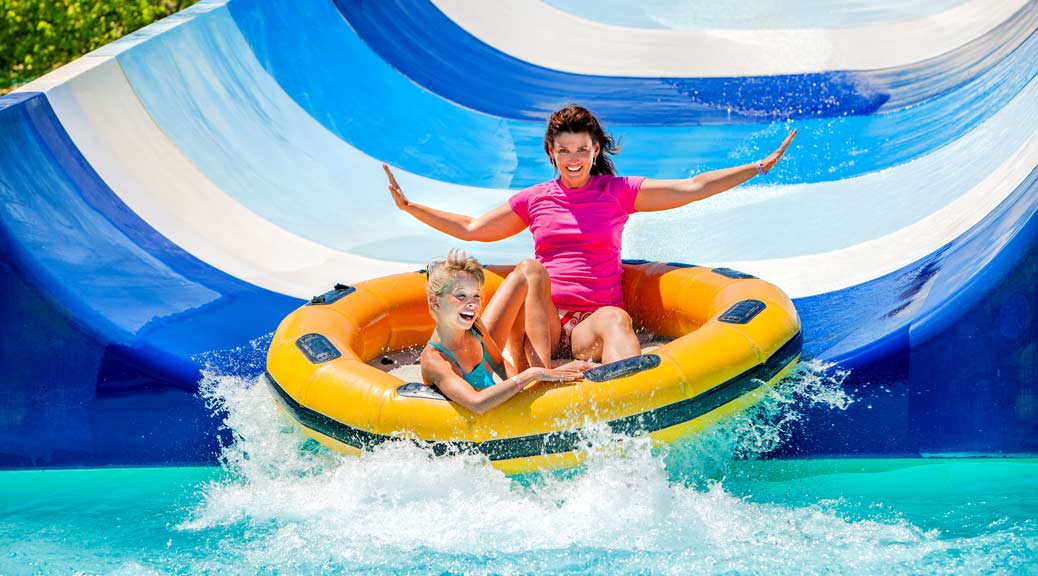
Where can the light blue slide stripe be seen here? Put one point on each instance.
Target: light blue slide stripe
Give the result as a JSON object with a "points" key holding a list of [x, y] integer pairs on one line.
{"points": [[749, 14], [200, 84]]}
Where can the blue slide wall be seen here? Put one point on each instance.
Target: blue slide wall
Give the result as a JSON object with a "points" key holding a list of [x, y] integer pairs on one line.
{"points": [[167, 199]]}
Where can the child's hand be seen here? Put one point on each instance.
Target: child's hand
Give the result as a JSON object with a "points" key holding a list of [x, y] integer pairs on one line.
{"points": [[565, 373]]}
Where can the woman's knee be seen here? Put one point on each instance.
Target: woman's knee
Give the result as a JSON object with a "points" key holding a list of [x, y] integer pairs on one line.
{"points": [[612, 317], [514, 285], [533, 271]]}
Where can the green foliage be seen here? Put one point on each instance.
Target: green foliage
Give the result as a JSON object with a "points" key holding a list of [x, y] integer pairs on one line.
{"points": [[37, 36]]}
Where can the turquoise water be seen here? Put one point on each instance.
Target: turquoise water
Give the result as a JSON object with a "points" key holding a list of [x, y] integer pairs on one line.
{"points": [[279, 504]]}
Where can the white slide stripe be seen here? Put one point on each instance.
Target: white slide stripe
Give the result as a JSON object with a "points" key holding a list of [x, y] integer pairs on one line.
{"points": [[540, 34], [830, 271], [107, 122]]}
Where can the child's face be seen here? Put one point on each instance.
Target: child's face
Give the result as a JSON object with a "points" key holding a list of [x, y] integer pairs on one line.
{"points": [[460, 305]]}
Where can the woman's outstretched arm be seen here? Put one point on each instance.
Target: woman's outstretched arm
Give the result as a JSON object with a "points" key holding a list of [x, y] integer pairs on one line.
{"points": [[497, 224], [657, 195]]}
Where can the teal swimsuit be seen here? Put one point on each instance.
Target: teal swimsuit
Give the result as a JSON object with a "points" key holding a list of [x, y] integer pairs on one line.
{"points": [[480, 377]]}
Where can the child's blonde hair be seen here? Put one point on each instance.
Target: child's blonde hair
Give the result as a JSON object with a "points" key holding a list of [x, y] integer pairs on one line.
{"points": [[442, 272]]}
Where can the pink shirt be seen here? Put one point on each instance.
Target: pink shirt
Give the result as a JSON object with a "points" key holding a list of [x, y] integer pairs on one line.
{"points": [[577, 236]]}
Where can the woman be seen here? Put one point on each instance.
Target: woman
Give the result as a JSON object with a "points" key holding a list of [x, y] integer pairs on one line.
{"points": [[577, 223], [463, 355]]}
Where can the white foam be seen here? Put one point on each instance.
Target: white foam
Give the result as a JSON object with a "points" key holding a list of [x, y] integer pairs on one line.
{"points": [[400, 507]]}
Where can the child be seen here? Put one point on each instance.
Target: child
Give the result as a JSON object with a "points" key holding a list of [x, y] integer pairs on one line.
{"points": [[461, 358]]}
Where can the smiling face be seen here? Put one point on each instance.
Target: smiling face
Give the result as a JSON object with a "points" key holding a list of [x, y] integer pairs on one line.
{"points": [[459, 305], [574, 154]]}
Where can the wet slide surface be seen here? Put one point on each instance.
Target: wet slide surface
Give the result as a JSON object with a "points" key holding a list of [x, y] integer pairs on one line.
{"points": [[167, 199]]}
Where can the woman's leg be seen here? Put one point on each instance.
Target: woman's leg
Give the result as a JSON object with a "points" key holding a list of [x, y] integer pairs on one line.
{"points": [[501, 311], [608, 334], [541, 318], [522, 318]]}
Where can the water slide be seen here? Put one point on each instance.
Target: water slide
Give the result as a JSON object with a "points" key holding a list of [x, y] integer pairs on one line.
{"points": [[168, 198]]}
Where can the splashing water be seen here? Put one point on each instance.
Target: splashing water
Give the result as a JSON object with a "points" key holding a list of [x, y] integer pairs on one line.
{"points": [[630, 508], [765, 427]]}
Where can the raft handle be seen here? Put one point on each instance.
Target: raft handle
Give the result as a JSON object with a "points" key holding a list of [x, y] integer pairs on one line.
{"points": [[621, 368], [742, 312], [733, 274], [334, 294], [317, 348], [419, 390]]}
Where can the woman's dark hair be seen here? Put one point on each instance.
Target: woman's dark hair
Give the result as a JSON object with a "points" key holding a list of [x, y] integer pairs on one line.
{"points": [[579, 120]]}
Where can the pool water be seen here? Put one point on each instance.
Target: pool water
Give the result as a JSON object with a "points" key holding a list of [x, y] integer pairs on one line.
{"points": [[279, 504]]}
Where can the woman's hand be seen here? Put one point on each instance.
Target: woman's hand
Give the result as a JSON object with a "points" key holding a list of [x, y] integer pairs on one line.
{"points": [[769, 162], [499, 223], [667, 194], [394, 189]]}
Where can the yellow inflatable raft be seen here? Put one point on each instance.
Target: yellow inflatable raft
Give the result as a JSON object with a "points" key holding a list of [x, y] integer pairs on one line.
{"points": [[733, 336]]}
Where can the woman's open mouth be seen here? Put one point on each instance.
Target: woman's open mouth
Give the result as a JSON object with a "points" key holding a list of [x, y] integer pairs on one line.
{"points": [[468, 316]]}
